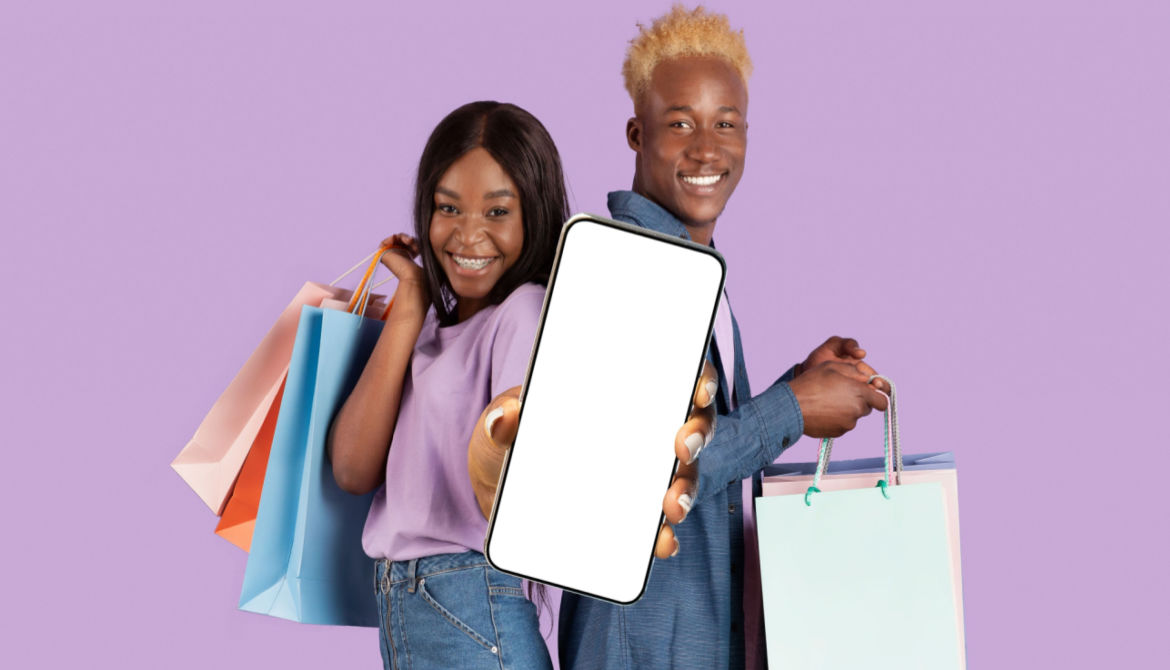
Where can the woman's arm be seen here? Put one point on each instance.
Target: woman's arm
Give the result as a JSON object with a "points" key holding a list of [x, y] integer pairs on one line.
{"points": [[359, 439]]}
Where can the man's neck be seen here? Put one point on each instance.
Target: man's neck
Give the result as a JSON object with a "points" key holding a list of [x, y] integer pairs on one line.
{"points": [[700, 233]]}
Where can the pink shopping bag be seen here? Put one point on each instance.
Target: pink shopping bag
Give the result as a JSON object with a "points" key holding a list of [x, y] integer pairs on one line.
{"points": [[212, 459]]}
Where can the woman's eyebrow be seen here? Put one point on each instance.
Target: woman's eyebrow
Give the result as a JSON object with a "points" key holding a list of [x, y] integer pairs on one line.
{"points": [[499, 193], [447, 192]]}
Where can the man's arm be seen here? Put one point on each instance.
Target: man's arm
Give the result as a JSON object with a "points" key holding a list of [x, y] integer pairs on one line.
{"points": [[824, 400], [749, 438]]}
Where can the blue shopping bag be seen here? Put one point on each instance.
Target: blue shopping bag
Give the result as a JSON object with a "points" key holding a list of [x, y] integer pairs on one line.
{"points": [[307, 563]]}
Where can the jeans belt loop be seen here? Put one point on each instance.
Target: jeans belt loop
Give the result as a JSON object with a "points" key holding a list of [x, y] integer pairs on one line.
{"points": [[411, 582], [384, 570]]}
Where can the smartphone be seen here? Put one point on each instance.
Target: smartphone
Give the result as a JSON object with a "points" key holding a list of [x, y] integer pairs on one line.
{"points": [[625, 327]]}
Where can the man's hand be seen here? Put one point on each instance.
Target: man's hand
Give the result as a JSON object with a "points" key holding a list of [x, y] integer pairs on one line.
{"points": [[834, 395], [840, 350], [496, 429]]}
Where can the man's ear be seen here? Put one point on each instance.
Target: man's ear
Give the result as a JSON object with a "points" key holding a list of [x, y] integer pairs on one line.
{"points": [[634, 134]]}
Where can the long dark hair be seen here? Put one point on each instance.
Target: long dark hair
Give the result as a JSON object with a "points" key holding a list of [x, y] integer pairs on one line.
{"points": [[524, 149]]}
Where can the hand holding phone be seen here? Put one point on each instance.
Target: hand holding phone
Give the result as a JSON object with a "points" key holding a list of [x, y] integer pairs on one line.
{"points": [[639, 304]]}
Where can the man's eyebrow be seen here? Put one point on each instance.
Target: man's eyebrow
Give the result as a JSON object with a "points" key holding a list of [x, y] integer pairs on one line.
{"points": [[447, 192], [688, 108], [500, 193]]}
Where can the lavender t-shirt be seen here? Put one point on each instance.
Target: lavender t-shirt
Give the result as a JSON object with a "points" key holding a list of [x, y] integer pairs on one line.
{"points": [[426, 506]]}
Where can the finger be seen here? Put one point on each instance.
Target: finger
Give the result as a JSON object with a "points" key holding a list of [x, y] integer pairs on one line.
{"points": [[695, 434], [866, 369], [879, 384], [707, 387], [412, 244], [850, 347], [394, 259], [849, 370], [875, 399], [679, 498], [667, 544], [486, 450], [404, 241], [502, 418]]}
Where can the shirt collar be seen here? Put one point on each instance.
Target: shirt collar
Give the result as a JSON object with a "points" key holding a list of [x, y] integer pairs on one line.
{"points": [[629, 206]]}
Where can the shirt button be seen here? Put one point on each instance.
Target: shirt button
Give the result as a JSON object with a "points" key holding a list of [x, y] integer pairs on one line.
{"points": [[731, 508], [784, 442]]}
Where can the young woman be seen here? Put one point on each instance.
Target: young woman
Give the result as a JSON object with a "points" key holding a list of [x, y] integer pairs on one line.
{"points": [[489, 204]]}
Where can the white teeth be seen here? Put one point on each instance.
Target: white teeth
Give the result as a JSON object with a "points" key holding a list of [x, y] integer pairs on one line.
{"points": [[471, 263], [703, 181]]}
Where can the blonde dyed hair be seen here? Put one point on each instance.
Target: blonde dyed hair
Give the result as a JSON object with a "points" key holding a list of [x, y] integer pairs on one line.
{"points": [[682, 33]]}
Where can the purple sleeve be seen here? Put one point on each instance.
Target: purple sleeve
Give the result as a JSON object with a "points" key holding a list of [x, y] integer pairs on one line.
{"points": [[519, 318]]}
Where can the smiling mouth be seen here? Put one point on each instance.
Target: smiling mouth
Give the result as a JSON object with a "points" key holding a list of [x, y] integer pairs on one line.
{"points": [[472, 262], [704, 180]]}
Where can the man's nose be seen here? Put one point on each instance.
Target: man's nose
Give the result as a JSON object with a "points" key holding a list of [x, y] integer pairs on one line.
{"points": [[703, 147]]}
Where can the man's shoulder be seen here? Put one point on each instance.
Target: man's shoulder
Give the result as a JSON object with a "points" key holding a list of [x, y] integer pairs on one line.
{"points": [[630, 207]]}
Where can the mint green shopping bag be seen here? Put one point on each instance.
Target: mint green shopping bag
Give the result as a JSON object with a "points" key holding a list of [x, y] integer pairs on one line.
{"points": [[859, 578]]}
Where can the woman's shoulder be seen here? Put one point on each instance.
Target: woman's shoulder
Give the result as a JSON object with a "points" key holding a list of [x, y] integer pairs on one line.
{"points": [[525, 299], [521, 309]]}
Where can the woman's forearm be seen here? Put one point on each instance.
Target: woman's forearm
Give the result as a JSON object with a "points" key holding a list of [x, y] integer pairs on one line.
{"points": [[359, 439]]}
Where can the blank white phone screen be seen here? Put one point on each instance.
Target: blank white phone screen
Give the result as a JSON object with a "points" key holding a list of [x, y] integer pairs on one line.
{"points": [[624, 331]]}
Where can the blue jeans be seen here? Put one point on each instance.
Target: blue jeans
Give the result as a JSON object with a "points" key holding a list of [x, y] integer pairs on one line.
{"points": [[455, 611]]}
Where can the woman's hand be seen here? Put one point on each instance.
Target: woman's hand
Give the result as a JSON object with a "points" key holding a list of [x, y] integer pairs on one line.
{"points": [[496, 428], [411, 298]]}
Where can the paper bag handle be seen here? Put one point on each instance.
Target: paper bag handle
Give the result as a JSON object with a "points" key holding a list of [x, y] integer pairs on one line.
{"points": [[891, 446], [373, 260], [362, 296]]}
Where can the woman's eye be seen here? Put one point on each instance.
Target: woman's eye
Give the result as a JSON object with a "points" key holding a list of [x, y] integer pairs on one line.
{"points": [[447, 209], [497, 211]]}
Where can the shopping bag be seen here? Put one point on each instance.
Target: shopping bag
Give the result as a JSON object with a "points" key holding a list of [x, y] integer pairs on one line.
{"points": [[212, 458], [848, 568], [239, 513], [306, 561]]}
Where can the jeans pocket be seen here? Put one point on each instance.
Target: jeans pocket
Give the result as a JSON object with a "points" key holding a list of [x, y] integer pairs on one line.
{"points": [[478, 594]]}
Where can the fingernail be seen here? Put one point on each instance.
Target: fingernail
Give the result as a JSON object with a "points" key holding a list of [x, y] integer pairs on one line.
{"points": [[694, 443], [685, 502], [712, 389], [492, 417], [676, 548]]}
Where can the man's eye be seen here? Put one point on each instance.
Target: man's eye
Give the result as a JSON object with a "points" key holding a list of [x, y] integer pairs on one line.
{"points": [[680, 124], [725, 124]]}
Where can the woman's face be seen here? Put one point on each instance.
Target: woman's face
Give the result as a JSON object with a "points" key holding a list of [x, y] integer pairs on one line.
{"points": [[477, 230]]}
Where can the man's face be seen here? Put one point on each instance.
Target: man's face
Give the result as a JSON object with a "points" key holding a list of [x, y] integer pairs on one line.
{"points": [[690, 134]]}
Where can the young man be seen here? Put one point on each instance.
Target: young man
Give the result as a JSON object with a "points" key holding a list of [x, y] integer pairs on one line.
{"points": [[687, 75]]}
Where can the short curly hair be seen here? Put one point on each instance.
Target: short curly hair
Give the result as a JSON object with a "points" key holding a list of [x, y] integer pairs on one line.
{"points": [[682, 33]]}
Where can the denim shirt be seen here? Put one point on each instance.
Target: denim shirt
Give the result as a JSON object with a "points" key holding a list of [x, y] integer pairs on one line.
{"points": [[691, 615]]}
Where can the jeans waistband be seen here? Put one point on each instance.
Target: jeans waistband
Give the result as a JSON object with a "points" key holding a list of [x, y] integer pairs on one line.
{"points": [[389, 572]]}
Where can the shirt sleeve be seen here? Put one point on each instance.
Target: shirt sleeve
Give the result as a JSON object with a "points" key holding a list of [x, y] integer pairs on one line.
{"points": [[519, 318], [749, 438]]}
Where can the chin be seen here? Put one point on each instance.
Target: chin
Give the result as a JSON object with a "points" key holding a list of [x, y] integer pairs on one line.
{"points": [[699, 216]]}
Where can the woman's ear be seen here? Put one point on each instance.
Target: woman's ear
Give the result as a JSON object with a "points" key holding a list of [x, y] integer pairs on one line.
{"points": [[634, 134]]}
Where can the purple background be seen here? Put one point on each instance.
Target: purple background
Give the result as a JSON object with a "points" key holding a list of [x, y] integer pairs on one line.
{"points": [[978, 193]]}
